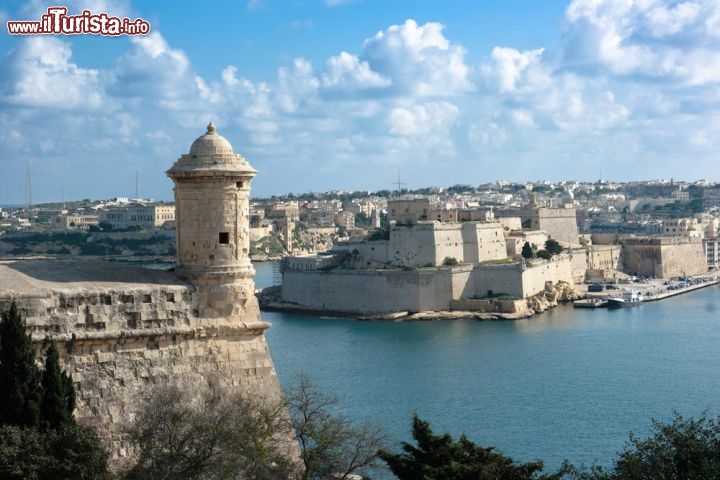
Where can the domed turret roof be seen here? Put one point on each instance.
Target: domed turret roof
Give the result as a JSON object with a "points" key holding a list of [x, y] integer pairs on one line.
{"points": [[211, 144], [211, 154]]}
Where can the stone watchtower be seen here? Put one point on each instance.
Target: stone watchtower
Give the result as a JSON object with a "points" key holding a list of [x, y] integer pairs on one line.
{"points": [[123, 330], [212, 201]]}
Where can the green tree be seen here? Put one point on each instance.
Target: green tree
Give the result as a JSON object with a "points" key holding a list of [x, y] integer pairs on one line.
{"points": [[72, 453], [209, 435], [330, 445], [544, 254], [684, 449], [441, 458], [58, 394], [28, 400], [20, 391], [553, 246], [527, 251], [450, 261]]}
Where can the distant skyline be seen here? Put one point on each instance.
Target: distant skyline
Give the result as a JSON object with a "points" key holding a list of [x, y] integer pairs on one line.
{"points": [[340, 94]]}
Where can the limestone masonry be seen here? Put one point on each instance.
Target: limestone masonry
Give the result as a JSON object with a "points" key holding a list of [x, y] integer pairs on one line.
{"points": [[121, 331]]}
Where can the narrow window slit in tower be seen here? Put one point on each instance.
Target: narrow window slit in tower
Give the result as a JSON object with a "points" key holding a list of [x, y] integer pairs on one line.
{"points": [[224, 238]]}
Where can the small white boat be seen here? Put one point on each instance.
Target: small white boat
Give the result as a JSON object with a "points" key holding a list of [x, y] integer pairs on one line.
{"points": [[628, 298]]}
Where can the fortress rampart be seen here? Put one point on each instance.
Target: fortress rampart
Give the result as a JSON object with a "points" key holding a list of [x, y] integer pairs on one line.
{"points": [[121, 331], [374, 291], [663, 257]]}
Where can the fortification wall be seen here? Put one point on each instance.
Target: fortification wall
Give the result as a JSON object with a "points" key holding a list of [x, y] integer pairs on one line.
{"points": [[558, 269], [521, 280], [498, 279], [120, 337], [369, 291], [429, 243], [578, 263], [517, 238], [663, 257], [483, 242], [371, 252], [683, 259], [559, 223], [604, 257], [462, 287], [509, 223], [413, 246]]}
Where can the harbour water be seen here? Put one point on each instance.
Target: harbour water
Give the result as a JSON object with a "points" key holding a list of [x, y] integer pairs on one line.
{"points": [[567, 384]]}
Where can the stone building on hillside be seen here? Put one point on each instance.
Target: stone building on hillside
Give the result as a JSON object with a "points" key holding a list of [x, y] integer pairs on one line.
{"points": [[139, 215], [122, 331], [560, 223]]}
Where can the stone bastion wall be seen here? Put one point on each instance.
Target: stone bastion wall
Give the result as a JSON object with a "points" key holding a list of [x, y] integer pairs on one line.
{"points": [[121, 332]]}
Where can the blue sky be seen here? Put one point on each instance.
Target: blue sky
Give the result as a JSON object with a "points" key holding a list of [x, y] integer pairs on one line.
{"points": [[340, 94]]}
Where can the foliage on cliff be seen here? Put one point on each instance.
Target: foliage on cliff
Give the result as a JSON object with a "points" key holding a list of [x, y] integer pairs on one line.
{"points": [[527, 251], [39, 438], [439, 457], [684, 449], [209, 435], [217, 435], [331, 446], [20, 391]]}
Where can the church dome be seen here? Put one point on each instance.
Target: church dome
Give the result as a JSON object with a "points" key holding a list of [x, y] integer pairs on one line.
{"points": [[210, 144]]}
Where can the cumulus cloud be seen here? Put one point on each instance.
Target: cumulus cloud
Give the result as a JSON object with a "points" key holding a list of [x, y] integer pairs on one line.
{"points": [[346, 71], [422, 119], [152, 69], [297, 86], [514, 70], [654, 38], [39, 73], [419, 60]]}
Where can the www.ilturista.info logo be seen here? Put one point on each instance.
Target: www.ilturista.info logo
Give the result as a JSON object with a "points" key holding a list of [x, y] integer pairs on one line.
{"points": [[58, 22]]}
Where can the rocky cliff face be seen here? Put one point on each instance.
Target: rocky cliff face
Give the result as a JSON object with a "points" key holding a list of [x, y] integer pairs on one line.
{"points": [[561, 292]]}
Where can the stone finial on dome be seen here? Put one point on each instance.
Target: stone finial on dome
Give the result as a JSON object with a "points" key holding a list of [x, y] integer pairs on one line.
{"points": [[210, 129]]}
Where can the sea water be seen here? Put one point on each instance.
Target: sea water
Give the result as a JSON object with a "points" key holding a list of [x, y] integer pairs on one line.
{"points": [[566, 384]]}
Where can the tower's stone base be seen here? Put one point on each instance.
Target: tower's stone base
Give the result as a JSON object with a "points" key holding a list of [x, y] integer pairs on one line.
{"points": [[122, 331]]}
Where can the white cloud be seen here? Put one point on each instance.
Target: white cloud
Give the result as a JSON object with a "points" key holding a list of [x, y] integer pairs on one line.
{"points": [[346, 71], [419, 60], [514, 70], [152, 69], [675, 41], [229, 76], [296, 86], [39, 73], [419, 120]]}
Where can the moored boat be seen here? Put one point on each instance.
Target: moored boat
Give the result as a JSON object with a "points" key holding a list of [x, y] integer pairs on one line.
{"points": [[628, 298], [590, 303]]}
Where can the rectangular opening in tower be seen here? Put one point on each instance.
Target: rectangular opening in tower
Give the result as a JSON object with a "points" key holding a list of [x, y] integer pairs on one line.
{"points": [[224, 238]]}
